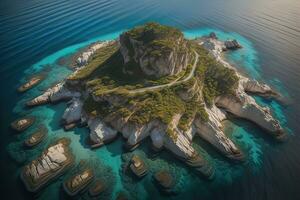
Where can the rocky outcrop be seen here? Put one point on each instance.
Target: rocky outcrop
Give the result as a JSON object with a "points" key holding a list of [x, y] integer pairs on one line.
{"points": [[53, 162], [181, 146], [244, 106], [85, 56], [36, 138], [241, 104], [22, 124], [253, 86], [77, 183], [211, 131], [73, 113], [100, 133], [154, 55], [31, 83], [232, 45], [57, 93], [164, 180], [157, 138], [138, 166]]}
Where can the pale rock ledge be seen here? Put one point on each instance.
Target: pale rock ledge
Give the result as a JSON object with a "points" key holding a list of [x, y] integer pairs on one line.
{"points": [[57, 93], [73, 113]]}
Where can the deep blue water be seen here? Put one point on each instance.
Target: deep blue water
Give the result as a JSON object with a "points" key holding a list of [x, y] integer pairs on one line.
{"points": [[35, 33]]}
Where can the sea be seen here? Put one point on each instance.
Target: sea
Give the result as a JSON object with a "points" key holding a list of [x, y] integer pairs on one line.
{"points": [[40, 36]]}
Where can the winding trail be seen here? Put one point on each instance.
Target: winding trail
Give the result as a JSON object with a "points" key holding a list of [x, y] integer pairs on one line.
{"points": [[151, 88]]}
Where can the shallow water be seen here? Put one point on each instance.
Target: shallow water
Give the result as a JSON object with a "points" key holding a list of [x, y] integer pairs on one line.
{"points": [[34, 34]]}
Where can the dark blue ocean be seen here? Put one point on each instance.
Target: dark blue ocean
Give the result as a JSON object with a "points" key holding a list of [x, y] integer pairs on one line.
{"points": [[38, 36]]}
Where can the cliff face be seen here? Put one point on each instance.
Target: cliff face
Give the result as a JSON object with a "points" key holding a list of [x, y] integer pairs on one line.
{"points": [[156, 53]]}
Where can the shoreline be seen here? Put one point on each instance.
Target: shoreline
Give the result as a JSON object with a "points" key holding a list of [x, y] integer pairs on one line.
{"points": [[222, 58]]}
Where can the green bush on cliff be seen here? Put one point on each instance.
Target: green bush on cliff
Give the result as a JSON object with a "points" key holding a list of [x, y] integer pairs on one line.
{"points": [[98, 59], [154, 31], [217, 78], [113, 78], [162, 105], [158, 39]]}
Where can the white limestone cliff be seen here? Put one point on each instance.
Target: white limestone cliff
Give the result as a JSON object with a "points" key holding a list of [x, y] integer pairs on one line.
{"points": [[56, 93], [212, 132], [173, 62], [84, 57], [100, 133], [243, 105], [73, 113]]}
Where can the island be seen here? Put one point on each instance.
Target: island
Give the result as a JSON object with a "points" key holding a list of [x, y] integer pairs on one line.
{"points": [[154, 83]]}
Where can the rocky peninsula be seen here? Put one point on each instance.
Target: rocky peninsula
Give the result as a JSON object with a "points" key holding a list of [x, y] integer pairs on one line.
{"points": [[153, 82]]}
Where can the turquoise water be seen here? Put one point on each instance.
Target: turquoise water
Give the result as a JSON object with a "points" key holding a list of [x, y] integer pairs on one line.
{"points": [[36, 34], [110, 155]]}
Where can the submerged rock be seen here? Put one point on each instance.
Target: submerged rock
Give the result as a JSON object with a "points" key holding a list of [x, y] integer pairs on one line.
{"points": [[164, 180], [69, 127], [97, 188], [22, 124], [31, 83], [77, 183], [138, 166], [36, 138], [121, 196], [53, 162]]}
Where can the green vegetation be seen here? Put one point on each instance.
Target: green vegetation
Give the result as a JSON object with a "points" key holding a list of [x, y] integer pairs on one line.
{"points": [[98, 60], [153, 32], [162, 105], [107, 77], [172, 134], [158, 39], [216, 78], [193, 109]]}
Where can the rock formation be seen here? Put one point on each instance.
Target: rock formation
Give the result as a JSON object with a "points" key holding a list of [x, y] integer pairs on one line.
{"points": [[56, 93], [232, 44], [100, 132], [73, 113], [22, 124], [241, 104], [31, 83], [53, 162], [159, 51], [194, 103], [84, 57]]}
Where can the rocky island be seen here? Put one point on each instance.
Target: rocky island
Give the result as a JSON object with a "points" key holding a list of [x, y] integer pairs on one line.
{"points": [[53, 162], [152, 82]]}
